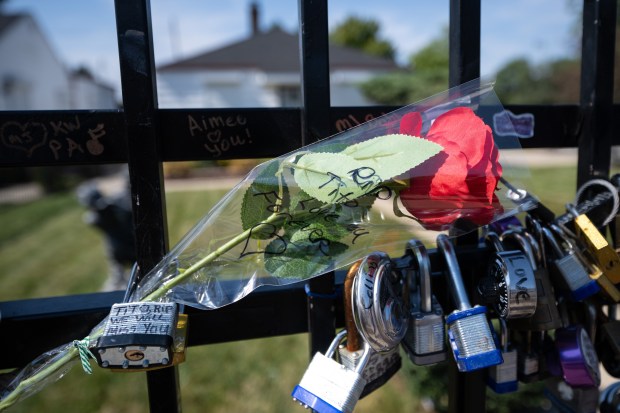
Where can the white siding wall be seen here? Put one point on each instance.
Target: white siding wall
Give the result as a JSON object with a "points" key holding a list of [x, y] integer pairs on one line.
{"points": [[248, 88], [31, 77]]}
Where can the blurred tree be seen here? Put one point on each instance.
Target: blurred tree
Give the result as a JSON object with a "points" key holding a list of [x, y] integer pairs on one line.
{"points": [[554, 82], [362, 34], [427, 74]]}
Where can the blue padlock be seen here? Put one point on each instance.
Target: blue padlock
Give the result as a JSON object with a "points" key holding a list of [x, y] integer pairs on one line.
{"points": [[469, 331]]}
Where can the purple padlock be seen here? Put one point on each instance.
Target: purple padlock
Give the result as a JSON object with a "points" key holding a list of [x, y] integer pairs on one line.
{"points": [[577, 357]]}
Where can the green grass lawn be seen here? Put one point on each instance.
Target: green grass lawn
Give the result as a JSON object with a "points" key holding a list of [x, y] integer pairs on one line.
{"points": [[46, 249]]}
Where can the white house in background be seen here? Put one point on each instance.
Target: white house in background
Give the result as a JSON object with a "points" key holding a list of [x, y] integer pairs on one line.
{"points": [[262, 71], [32, 77]]}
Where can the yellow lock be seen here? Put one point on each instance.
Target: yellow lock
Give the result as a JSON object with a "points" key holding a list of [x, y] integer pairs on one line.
{"points": [[606, 257], [589, 262]]}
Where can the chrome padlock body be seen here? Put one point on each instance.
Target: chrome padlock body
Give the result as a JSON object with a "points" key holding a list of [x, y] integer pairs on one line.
{"points": [[378, 310], [570, 271], [379, 369], [469, 331], [138, 335], [328, 386], [503, 377], [425, 341], [512, 277], [547, 316]]}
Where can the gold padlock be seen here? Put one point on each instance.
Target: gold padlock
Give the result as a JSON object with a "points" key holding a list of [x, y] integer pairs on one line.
{"points": [[589, 262], [606, 257]]}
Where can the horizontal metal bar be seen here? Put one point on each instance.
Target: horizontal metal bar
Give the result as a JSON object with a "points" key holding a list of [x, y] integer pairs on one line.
{"points": [[45, 323], [39, 138]]}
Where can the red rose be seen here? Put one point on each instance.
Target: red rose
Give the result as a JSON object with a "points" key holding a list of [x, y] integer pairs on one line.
{"points": [[460, 181]]}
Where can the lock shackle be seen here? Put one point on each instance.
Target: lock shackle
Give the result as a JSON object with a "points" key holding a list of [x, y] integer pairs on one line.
{"points": [[493, 240], [560, 232], [503, 335], [455, 280], [524, 244], [534, 231], [555, 246], [335, 343], [353, 338], [420, 254]]}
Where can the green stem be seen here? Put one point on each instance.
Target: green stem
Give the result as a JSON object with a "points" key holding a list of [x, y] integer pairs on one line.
{"points": [[168, 285], [43, 374], [72, 352]]}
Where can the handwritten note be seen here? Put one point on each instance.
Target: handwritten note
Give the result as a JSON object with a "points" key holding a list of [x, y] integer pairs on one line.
{"points": [[220, 133]]}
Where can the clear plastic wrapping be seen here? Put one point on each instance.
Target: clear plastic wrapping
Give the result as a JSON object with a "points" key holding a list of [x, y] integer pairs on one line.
{"points": [[435, 164]]}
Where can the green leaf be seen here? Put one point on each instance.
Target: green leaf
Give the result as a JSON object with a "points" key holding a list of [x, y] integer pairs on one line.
{"points": [[263, 198], [342, 177], [301, 259]]}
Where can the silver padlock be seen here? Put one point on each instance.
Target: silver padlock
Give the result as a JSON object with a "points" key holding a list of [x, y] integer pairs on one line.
{"points": [[425, 341], [469, 331], [328, 386], [529, 356], [547, 315], [138, 335], [510, 285], [503, 377], [381, 366], [378, 309], [570, 270]]}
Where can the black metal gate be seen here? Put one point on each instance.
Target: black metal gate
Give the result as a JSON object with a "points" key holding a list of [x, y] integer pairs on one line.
{"points": [[144, 136]]}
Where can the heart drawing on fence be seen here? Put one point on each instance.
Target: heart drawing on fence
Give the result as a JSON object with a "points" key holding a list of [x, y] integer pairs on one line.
{"points": [[24, 137]]}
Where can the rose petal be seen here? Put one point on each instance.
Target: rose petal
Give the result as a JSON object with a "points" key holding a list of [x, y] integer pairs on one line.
{"points": [[411, 124]]}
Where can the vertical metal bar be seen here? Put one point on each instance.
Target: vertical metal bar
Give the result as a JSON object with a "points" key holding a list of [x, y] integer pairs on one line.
{"points": [[466, 391], [137, 64], [464, 41], [314, 55], [597, 84]]}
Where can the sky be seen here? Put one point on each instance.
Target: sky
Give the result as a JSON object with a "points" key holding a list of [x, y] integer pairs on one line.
{"points": [[82, 32]]}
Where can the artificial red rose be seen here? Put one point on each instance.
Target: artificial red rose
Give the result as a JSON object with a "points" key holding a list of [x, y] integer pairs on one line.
{"points": [[460, 181]]}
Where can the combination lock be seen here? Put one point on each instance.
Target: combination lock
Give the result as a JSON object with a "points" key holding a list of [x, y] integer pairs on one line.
{"points": [[510, 285]]}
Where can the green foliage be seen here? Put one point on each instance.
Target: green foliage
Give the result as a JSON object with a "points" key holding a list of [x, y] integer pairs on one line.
{"points": [[362, 34], [428, 75], [519, 82]]}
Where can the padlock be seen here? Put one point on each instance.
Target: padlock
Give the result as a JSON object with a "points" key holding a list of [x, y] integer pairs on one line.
{"points": [[588, 260], [378, 308], [503, 377], [380, 366], [529, 357], [469, 331], [425, 341], [575, 354], [138, 335], [510, 285], [546, 316], [607, 342], [328, 386], [567, 399], [570, 271], [606, 257]]}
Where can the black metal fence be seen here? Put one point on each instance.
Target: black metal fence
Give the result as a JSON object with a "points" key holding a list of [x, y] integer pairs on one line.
{"points": [[144, 136]]}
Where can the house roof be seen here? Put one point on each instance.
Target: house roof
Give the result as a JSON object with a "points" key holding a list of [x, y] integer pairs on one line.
{"points": [[275, 51], [7, 20]]}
